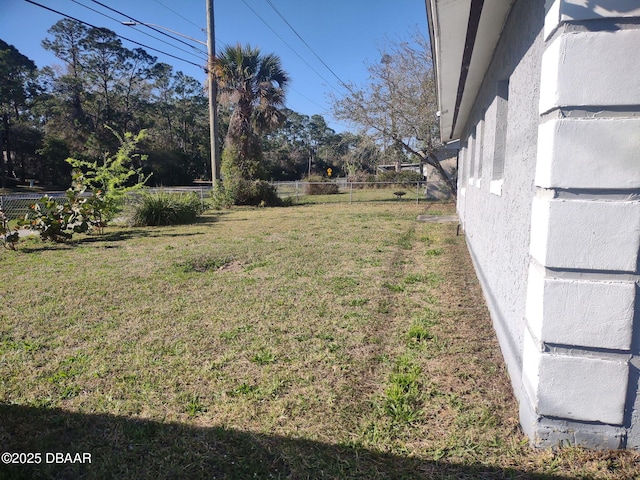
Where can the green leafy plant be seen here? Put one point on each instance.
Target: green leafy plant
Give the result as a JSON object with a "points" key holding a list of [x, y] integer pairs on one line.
{"points": [[263, 357], [241, 184], [402, 398], [8, 237], [419, 332], [239, 191], [194, 405], [243, 389], [58, 221], [112, 178]]}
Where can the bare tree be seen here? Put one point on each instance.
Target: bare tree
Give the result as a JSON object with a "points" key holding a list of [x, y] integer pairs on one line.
{"points": [[398, 104]]}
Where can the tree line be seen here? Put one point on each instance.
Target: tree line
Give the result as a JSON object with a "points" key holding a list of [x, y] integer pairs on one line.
{"points": [[71, 109]]}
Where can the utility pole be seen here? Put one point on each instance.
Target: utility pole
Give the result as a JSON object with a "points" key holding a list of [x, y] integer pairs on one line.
{"points": [[213, 98]]}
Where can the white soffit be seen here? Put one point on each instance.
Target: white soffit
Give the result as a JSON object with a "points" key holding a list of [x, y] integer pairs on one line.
{"points": [[449, 21]]}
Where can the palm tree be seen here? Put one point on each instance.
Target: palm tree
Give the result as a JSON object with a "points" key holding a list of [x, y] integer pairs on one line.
{"points": [[254, 85]]}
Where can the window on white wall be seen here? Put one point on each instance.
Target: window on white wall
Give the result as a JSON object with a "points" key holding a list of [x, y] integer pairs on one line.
{"points": [[462, 168], [500, 146], [479, 149], [470, 156]]}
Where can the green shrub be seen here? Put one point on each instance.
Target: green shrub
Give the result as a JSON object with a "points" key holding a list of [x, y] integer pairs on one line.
{"points": [[318, 185], [240, 185], [238, 191], [112, 177], [401, 177], [360, 179], [58, 222], [222, 197], [257, 192], [166, 209]]}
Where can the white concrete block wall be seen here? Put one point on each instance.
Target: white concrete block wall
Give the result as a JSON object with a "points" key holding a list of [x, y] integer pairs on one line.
{"points": [[595, 391], [578, 354], [570, 151], [590, 234], [590, 69], [576, 312], [560, 11]]}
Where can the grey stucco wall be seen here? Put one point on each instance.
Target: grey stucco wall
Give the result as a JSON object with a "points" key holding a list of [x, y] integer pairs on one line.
{"points": [[497, 226]]}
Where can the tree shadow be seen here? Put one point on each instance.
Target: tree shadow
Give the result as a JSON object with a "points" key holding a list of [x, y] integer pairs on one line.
{"points": [[118, 235], [29, 246], [122, 447], [613, 8], [115, 236]]}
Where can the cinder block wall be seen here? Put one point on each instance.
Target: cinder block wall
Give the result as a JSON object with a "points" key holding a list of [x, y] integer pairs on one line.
{"points": [[580, 350], [549, 196]]}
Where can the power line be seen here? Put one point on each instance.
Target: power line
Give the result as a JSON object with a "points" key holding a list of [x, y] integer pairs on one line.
{"points": [[220, 45], [303, 95], [306, 44], [290, 47], [184, 18], [142, 23], [119, 36], [144, 33]]}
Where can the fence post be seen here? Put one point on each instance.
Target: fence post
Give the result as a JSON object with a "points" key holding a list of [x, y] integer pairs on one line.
{"points": [[417, 193], [350, 192]]}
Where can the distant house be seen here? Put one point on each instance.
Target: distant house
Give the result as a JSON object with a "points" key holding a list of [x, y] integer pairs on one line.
{"points": [[545, 99], [404, 167]]}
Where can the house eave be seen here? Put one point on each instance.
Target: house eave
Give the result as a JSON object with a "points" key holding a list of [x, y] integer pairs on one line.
{"points": [[464, 34]]}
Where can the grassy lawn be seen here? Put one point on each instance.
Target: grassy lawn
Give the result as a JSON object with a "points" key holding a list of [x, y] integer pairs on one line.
{"points": [[347, 194], [315, 341]]}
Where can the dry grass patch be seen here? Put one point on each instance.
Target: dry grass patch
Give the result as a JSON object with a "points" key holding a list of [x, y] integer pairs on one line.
{"points": [[325, 341]]}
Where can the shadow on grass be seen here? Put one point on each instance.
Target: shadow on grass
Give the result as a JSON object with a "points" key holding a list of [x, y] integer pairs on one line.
{"points": [[37, 245], [115, 236], [122, 447], [121, 234]]}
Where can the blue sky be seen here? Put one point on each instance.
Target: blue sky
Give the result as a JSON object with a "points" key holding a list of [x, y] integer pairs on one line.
{"points": [[343, 33]]}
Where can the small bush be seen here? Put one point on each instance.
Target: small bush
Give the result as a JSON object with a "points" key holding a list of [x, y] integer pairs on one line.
{"points": [[320, 186], [222, 197], [237, 191], [257, 193], [58, 222], [361, 179], [166, 209], [400, 178]]}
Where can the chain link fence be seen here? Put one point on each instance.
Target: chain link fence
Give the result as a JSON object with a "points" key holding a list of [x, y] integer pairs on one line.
{"points": [[342, 191], [335, 191], [19, 204]]}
